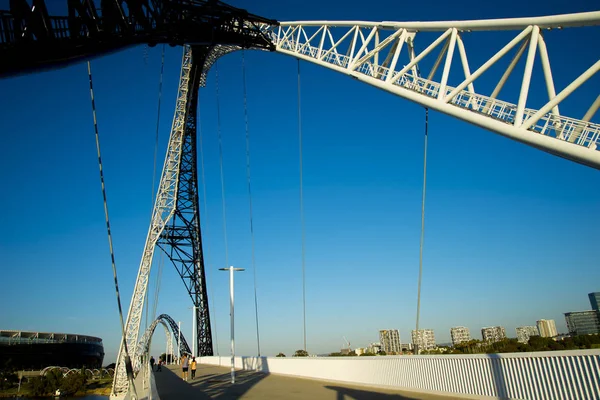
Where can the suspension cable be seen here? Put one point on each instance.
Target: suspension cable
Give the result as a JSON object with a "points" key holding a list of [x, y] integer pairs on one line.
{"points": [[206, 225], [127, 360], [221, 163], [302, 214], [157, 286], [422, 220], [250, 196], [160, 264], [160, 84]]}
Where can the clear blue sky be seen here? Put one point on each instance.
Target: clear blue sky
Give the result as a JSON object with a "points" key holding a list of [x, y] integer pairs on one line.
{"points": [[511, 232]]}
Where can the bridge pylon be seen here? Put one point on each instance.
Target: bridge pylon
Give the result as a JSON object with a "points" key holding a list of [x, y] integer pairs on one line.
{"points": [[175, 223]]}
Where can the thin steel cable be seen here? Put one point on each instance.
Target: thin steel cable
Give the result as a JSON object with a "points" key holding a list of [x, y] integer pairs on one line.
{"points": [[302, 214], [250, 196], [221, 163], [206, 226], [160, 84], [422, 219], [110, 243], [157, 287]]}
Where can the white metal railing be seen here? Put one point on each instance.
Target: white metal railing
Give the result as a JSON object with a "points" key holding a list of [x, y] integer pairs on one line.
{"points": [[534, 376], [586, 134]]}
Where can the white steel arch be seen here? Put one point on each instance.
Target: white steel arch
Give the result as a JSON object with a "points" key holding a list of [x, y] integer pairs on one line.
{"points": [[385, 55]]}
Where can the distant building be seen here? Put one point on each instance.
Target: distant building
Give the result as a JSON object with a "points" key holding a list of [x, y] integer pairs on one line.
{"points": [[547, 328], [460, 334], [359, 351], [424, 339], [390, 341], [583, 322], [493, 333], [594, 300], [405, 347], [525, 332], [374, 348]]}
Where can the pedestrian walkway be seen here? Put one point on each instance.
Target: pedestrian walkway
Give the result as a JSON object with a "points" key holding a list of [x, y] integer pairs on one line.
{"points": [[214, 382]]}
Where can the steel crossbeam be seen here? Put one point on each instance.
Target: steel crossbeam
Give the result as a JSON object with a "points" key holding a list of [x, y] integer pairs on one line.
{"points": [[385, 55]]}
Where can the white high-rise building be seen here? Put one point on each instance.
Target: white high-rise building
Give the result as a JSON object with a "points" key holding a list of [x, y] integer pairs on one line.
{"points": [[374, 348], [460, 334], [547, 328], [525, 332], [424, 339], [390, 341], [493, 333]]}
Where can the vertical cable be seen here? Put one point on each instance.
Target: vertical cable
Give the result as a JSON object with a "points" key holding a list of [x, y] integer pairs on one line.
{"points": [[162, 68], [127, 360], [212, 291], [422, 221], [302, 214], [221, 163], [160, 83], [159, 272], [250, 196]]}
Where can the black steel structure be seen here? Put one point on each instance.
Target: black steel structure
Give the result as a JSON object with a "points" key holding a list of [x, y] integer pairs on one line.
{"points": [[181, 239], [184, 348], [31, 39]]}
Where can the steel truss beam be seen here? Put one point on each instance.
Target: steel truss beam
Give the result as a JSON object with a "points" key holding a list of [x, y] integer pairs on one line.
{"points": [[31, 39], [385, 55]]}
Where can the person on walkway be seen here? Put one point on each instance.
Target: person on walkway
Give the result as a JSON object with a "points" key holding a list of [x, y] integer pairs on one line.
{"points": [[184, 366], [159, 365], [193, 367], [152, 363]]}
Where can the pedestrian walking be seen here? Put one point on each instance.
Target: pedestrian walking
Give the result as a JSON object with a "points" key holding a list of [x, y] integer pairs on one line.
{"points": [[193, 367], [152, 363], [184, 367]]}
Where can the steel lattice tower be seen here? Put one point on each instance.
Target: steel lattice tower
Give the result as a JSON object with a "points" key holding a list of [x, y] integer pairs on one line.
{"points": [[181, 239]]}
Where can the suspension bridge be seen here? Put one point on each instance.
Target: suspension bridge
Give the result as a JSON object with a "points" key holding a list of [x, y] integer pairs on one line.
{"points": [[427, 63]]}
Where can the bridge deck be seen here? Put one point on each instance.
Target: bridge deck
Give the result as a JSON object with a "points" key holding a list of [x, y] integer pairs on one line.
{"points": [[213, 382]]}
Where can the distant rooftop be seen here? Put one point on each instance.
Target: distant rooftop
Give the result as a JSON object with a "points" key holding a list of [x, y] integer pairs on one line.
{"points": [[21, 337]]}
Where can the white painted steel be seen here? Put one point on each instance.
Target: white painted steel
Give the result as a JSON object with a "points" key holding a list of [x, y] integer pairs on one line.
{"points": [[547, 22], [534, 376], [356, 48], [164, 207]]}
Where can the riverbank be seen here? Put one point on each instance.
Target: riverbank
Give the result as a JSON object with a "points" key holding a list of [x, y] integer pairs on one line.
{"points": [[94, 388]]}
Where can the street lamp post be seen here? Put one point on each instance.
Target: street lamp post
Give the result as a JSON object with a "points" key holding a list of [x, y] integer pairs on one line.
{"points": [[231, 270], [194, 331], [179, 343]]}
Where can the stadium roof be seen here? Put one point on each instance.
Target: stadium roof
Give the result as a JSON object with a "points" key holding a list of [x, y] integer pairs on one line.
{"points": [[46, 337]]}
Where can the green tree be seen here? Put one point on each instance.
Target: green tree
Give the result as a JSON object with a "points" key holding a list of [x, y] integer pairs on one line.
{"points": [[73, 383], [54, 378], [301, 353], [38, 385], [280, 355], [368, 354], [8, 379], [382, 353]]}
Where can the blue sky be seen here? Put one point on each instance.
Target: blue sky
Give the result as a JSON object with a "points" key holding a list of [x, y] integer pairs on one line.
{"points": [[511, 232]]}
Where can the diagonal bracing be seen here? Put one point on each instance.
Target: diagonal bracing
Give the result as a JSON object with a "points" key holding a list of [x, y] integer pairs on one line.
{"points": [[392, 56]]}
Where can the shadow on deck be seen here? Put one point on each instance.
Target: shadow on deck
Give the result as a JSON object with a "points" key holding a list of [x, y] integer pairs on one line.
{"points": [[213, 382], [209, 384]]}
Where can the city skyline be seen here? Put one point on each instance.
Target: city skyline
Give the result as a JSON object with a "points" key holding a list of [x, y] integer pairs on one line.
{"points": [[493, 205]]}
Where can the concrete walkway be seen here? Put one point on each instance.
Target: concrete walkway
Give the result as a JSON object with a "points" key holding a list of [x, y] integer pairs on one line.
{"points": [[214, 382]]}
